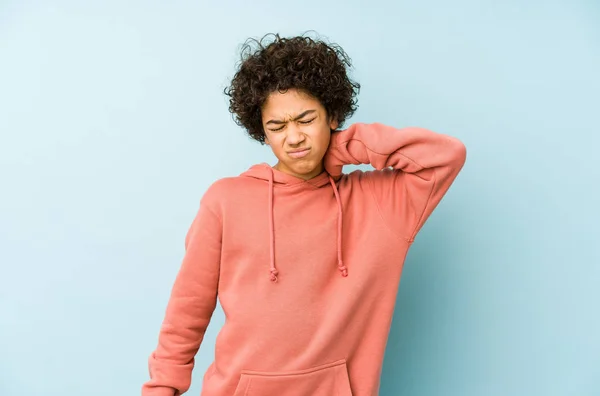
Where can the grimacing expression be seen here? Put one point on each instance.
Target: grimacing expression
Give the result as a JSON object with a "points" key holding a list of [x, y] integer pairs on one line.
{"points": [[298, 130]]}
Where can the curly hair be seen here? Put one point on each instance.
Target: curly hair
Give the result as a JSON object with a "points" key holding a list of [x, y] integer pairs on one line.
{"points": [[311, 66]]}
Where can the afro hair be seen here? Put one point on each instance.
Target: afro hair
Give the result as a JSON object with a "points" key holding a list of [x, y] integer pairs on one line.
{"points": [[311, 66]]}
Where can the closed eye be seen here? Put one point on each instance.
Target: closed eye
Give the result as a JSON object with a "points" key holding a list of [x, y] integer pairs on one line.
{"points": [[301, 122]]}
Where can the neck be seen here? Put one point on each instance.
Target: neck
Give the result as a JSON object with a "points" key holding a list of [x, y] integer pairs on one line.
{"points": [[305, 176]]}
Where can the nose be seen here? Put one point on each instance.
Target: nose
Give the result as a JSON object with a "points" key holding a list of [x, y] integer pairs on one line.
{"points": [[294, 136]]}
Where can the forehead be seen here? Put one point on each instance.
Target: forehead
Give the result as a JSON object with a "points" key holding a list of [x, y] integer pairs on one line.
{"points": [[289, 104]]}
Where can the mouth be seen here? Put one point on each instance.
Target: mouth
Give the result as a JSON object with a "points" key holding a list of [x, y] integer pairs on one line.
{"points": [[299, 154]]}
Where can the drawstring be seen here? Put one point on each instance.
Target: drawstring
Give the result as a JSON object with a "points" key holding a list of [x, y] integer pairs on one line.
{"points": [[341, 265], [273, 270]]}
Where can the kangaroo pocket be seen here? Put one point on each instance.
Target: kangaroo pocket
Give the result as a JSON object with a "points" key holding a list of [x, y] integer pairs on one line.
{"points": [[326, 380]]}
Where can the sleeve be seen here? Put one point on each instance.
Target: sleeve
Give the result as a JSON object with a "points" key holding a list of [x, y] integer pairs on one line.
{"points": [[424, 166], [191, 305]]}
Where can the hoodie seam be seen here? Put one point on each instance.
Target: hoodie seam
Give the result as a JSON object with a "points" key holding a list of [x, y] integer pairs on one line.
{"points": [[214, 214], [390, 229]]}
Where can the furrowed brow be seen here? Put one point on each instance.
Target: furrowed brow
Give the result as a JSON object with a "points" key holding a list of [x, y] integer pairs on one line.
{"points": [[295, 119]]}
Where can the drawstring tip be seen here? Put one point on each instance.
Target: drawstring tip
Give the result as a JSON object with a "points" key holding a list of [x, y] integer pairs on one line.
{"points": [[344, 271], [274, 275]]}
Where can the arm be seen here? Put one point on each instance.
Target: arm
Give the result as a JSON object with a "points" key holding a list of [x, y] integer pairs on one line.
{"points": [[424, 163], [190, 308]]}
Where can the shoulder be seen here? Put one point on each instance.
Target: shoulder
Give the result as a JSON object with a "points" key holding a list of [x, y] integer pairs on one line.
{"points": [[221, 189], [227, 191]]}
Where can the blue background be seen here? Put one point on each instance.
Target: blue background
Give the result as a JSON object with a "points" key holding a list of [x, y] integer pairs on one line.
{"points": [[113, 123]]}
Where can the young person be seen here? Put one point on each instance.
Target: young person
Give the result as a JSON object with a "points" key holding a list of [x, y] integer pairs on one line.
{"points": [[304, 259]]}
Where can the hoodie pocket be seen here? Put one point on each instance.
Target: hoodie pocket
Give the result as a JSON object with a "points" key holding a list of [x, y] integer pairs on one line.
{"points": [[326, 380]]}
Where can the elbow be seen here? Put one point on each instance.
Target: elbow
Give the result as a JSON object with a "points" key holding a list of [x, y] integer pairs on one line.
{"points": [[459, 152]]}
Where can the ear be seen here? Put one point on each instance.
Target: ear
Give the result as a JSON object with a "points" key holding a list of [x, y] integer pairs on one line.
{"points": [[333, 124]]}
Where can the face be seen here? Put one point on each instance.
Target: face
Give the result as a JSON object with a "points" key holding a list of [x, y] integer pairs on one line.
{"points": [[298, 131]]}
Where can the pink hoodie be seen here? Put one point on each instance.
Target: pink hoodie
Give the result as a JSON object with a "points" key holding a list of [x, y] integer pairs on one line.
{"points": [[306, 271]]}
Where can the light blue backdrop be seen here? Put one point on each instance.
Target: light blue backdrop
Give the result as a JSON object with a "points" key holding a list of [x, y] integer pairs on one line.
{"points": [[113, 123]]}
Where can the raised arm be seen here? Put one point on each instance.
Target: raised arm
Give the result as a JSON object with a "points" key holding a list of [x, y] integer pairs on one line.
{"points": [[424, 165]]}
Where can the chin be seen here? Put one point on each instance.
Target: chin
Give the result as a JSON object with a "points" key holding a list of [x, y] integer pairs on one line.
{"points": [[304, 168]]}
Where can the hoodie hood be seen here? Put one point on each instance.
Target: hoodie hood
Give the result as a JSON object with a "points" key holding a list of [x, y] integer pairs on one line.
{"points": [[277, 178]]}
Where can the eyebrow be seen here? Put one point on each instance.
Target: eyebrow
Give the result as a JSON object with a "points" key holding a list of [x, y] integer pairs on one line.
{"points": [[295, 119]]}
